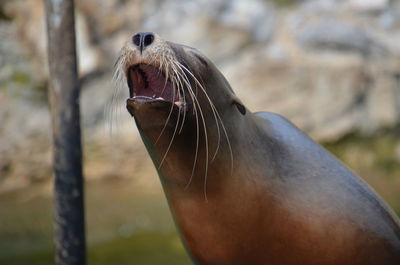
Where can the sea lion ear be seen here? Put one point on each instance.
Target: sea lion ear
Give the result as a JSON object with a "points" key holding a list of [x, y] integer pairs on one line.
{"points": [[239, 105]]}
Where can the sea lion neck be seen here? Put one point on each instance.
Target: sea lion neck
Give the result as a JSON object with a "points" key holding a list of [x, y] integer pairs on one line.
{"points": [[183, 155]]}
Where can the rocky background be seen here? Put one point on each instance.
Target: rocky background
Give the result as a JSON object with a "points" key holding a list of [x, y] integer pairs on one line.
{"points": [[330, 66]]}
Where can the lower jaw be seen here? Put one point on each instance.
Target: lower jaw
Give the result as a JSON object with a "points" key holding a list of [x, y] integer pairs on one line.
{"points": [[148, 104], [145, 99], [153, 117]]}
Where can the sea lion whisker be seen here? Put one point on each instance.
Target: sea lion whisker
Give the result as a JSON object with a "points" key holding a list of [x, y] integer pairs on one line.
{"points": [[170, 111], [194, 97], [227, 140], [195, 101], [166, 122], [214, 110], [199, 110], [205, 133], [180, 88], [195, 111], [175, 87], [171, 141], [219, 117], [197, 145], [166, 72], [206, 151], [186, 80], [119, 82], [182, 76], [163, 62], [215, 113]]}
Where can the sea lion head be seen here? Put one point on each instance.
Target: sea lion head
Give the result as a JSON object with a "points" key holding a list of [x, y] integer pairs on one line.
{"points": [[182, 104]]}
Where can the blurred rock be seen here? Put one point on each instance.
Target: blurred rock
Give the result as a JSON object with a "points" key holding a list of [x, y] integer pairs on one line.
{"points": [[389, 19], [218, 28], [330, 66], [321, 5], [254, 16], [368, 5], [336, 35], [29, 18]]}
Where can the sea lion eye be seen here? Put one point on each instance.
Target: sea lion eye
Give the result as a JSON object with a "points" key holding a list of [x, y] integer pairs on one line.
{"points": [[241, 108]]}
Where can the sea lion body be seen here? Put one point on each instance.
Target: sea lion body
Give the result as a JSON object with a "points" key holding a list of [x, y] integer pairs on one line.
{"points": [[250, 188]]}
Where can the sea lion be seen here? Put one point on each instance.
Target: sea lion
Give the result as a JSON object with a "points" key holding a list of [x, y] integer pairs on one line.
{"points": [[246, 188]]}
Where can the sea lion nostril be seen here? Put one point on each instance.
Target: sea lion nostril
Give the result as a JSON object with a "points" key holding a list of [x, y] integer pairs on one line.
{"points": [[143, 39], [136, 39], [148, 39]]}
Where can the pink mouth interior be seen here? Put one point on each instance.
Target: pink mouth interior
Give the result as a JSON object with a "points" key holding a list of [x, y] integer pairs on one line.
{"points": [[148, 81]]}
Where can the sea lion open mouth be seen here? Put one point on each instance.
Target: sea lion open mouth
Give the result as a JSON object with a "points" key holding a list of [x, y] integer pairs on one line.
{"points": [[148, 84]]}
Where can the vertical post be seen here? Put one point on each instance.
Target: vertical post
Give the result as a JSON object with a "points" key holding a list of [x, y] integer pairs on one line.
{"points": [[397, 96], [67, 157]]}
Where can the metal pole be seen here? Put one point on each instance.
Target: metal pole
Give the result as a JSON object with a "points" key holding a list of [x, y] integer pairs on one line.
{"points": [[67, 158]]}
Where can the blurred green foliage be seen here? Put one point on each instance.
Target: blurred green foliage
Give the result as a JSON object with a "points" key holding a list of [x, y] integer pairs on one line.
{"points": [[21, 84], [3, 15], [376, 158], [124, 226], [145, 248], [127, 225], [382, 150], [150, 248], [284, 3]]}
